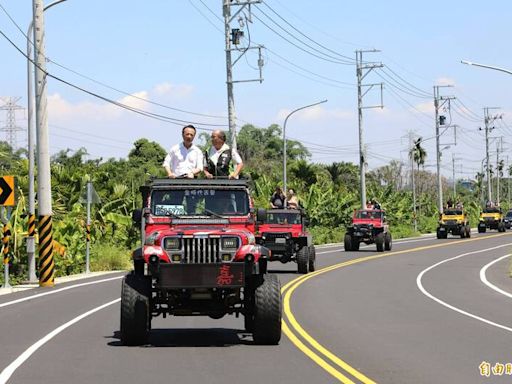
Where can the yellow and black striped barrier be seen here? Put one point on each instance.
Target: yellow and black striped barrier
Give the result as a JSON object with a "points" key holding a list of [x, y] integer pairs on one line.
{"points": [[46, 263], [88, 232], [5, 243], [32, 225]]}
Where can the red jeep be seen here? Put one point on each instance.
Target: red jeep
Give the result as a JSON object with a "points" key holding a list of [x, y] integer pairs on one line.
{"points": [[284, 232], [368, 226], [199, 258]]}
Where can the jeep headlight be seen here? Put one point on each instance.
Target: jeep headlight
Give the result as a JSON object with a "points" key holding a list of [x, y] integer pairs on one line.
{"points": [[172, 243], [229, 242], [151, 239]]}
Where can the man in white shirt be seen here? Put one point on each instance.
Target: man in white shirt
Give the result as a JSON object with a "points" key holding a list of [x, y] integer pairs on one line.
{"points": [[219, 157], [184, 159]]}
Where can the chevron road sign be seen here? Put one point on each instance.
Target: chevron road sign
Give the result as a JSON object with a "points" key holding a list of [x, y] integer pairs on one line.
{"points": [[7, 191]]}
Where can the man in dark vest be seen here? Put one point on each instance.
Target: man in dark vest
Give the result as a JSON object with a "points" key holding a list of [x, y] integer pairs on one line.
{"points": [[219, 157]]}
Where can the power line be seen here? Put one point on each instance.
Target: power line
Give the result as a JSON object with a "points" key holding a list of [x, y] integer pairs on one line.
{"points": [[396, 84], [106, 85], [350, 59], [121, 105], [328, 58]]}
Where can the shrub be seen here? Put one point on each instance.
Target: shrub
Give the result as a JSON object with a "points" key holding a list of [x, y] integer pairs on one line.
{"points": [[109, 257]]}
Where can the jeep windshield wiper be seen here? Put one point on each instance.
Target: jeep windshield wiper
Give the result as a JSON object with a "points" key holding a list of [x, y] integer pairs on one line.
{"points": [[211, 213]]}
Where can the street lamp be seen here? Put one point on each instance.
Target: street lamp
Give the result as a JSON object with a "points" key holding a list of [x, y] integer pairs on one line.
{"points": [[486, 66], [31, 139], [284, 139]]}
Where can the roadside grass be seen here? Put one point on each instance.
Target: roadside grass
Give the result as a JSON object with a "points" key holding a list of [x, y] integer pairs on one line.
{"points": [[109, 257]]}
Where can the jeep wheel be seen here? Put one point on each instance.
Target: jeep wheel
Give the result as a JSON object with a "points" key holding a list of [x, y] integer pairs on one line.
{"points": [[302, 260], [312, 258], [267, 312], [481, 229], [462, 232], [135, 311], [501, 227], [468, 231], [379, 242], [388, 241], [347, 243]]}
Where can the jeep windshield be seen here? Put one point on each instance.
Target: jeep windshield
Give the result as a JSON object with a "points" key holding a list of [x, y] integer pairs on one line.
{"points": [[453, 212], [210, 201], [368, 215], [283, 218], [491, 210]]}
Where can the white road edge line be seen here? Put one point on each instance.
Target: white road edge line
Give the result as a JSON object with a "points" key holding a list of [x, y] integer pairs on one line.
{"points": [[58, 290], [443, 303], [483, 277], [9, 370]]}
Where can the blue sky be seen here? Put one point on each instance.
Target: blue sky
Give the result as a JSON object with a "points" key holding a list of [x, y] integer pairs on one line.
{"points": [[172, 53]]}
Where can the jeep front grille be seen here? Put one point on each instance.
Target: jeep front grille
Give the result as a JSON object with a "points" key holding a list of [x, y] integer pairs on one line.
{"points": [[272, 236], [451, 222], [201, 250]]}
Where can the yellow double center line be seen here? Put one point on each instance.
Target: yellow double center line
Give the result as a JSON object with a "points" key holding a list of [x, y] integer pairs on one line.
{"points": [[315, 351]]}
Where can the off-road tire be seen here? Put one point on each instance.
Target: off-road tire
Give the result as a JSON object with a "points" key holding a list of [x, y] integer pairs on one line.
{"points": [[481, 229], [312, 258], [379, 242], [501, 227], [468, 231], [267, 311], [302, 260], [348, 243], [388, 242], [462, 232], [439, 235], [355, 244], [135, 310]]}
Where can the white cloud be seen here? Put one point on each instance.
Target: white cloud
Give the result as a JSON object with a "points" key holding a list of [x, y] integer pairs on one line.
{"points": [[98, 110], [175, 91], [445, 81], [61, 109], [136, 100], [426, 107]]}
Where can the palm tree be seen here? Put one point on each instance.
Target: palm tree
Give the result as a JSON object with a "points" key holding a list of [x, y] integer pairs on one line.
{"points": [[418, 153]]}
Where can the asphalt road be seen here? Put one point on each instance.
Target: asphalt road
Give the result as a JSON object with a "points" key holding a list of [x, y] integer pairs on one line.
{"points": [[429, 311]]}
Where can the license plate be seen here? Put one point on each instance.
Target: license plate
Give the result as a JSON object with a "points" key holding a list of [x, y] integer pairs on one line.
{"points": [[358, 234], [222, 275], [442, 229], [280, 240]]}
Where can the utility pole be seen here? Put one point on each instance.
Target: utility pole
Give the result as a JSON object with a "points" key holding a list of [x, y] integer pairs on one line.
{"points": [[508, 183], [44, 190], [487, 120], [453, 176], [362, 70], [233, 37], [411, 156], [10, 122], [440, 102], [499, 143]]}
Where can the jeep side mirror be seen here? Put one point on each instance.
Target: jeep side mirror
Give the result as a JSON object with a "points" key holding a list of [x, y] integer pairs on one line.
{"points": [[261, 215], [137, 216]]}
